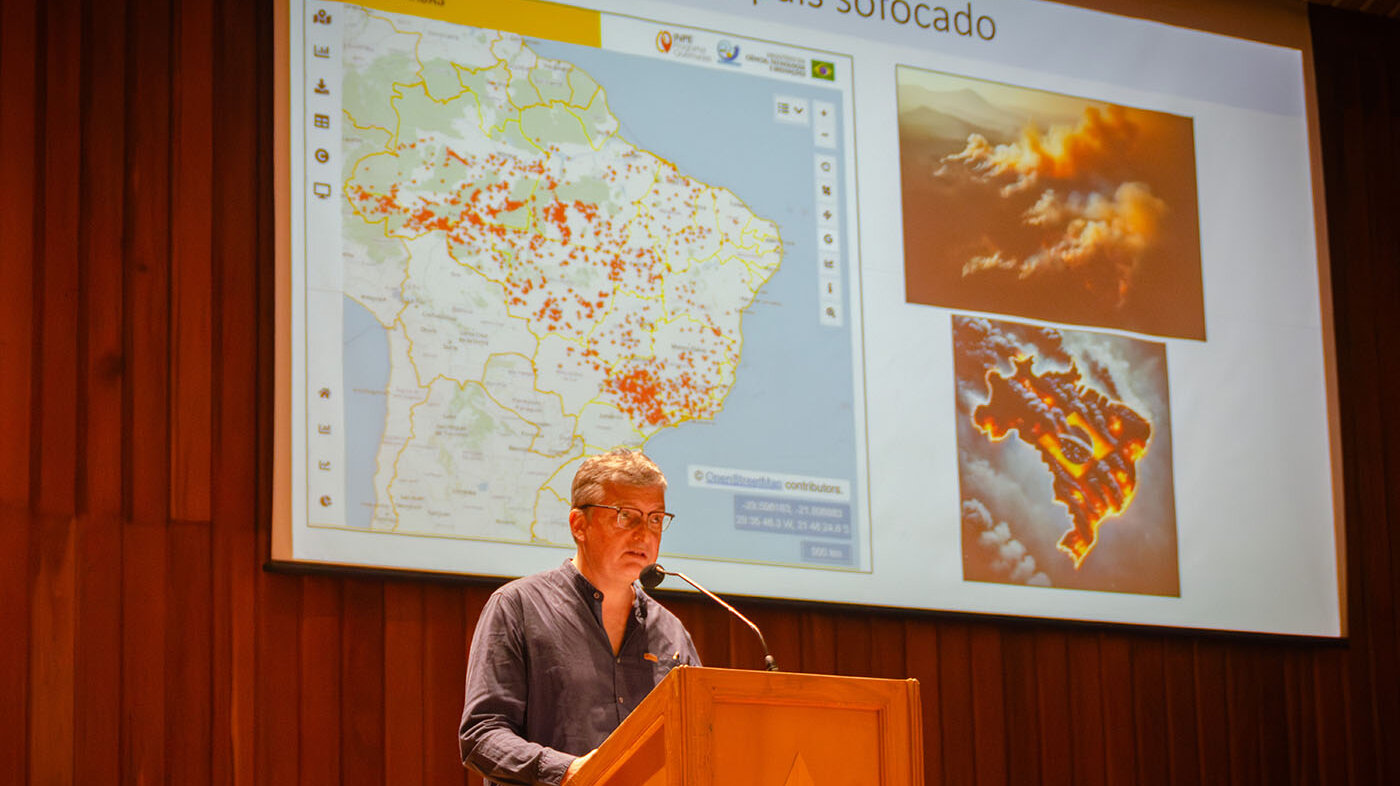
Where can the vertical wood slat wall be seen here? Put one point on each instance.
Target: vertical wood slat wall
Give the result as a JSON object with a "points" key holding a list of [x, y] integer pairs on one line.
{"points": [[141, 640]]}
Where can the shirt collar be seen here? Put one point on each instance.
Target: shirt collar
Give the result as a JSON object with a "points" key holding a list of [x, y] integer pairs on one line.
{"points": [[641, 601]]}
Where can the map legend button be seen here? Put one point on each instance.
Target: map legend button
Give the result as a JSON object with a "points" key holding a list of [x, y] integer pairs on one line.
{"points": [[787, 109]]}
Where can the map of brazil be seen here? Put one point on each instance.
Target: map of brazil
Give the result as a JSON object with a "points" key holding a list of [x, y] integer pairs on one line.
{"points": [[525, 283]]}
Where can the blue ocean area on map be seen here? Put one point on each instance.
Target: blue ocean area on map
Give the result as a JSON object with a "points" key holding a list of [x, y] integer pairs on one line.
{"points": [[790, 410], [366, 368]]}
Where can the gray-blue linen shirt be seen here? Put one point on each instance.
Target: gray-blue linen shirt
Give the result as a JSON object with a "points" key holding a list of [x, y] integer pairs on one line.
{"points": [[543, 686]]}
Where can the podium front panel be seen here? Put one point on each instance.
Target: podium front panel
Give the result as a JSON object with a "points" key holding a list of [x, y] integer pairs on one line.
{"points": [[798, 729], [771, 744], [725, 727]]}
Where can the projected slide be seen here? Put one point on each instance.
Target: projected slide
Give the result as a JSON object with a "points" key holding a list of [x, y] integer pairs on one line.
{"points": [[916, 306]]}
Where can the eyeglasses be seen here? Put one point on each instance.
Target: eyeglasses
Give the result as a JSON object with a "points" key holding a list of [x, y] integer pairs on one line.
{"points": [[631, 518]]}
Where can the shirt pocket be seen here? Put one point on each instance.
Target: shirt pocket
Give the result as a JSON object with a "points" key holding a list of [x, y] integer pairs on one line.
{"points": [[663, 663]]}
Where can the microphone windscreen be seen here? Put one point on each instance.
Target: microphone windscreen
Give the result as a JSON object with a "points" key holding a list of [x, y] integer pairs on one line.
{"points": [[652, 575]]}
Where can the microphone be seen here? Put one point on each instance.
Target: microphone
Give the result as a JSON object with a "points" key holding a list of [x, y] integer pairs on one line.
{"points": [[653, 574]]}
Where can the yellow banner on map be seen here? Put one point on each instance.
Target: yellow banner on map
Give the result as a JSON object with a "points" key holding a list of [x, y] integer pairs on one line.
{"points": [[534, 18]]}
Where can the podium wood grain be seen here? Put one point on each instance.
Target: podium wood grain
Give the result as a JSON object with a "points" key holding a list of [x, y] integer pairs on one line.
{"points": [[713, 727]]}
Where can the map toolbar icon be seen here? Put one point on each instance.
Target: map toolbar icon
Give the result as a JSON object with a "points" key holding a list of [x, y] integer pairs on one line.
{"points": [[790, 109], [321, 87], [321, 17]]}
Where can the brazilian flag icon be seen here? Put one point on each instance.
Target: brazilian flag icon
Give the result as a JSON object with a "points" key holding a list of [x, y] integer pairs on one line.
{"points": [[823, 70]]}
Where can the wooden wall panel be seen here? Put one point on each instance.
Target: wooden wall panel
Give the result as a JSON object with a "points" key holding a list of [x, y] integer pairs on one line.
{"points": [[783, 632], [1088, 743], [887, 650], [1212, 714], [403, 666], [1242, 698], [921, 663], [145, 542], [142, 606], [959, 748], [56, 279], [142, 641], [14, 647], [744, 647], [191, 261], [244, 722], [1275, 721], [188, 652], [147, 260], [1150, 712], [101, 300], [816, 643], [19, 62], [277, 699], [51, 652], [97, 649], [53, 428], [1050, 682], [1357, 62], [362, 740], [1303, 743], [991, 744], [1116, 681], [851, 645], [98, 726], [1330, 720], [1182, 730], [320, 680], [1023, 761], [448, 612]]}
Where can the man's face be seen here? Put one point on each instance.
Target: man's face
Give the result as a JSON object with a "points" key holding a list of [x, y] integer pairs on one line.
{"points": [[615, 556]]}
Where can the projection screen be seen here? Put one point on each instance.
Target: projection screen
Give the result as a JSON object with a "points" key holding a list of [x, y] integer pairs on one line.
{"points": [[1001, 307]]}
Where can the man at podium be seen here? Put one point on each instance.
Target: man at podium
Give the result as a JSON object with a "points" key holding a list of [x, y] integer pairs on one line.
{"points": [[560, 658]]}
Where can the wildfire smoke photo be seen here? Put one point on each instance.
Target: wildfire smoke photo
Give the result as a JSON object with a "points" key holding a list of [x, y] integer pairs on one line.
{"points": [[1044, 206]]}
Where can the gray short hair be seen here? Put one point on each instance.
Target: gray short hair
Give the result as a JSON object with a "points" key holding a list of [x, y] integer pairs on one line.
{"points": [[622, 467]]}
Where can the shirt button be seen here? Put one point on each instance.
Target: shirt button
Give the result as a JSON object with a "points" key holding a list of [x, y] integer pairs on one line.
{"points": [[619, 700], [597, 595]]}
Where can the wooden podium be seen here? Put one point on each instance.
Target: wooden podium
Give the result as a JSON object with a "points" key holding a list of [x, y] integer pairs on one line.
{"points": [[722, 727]]}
